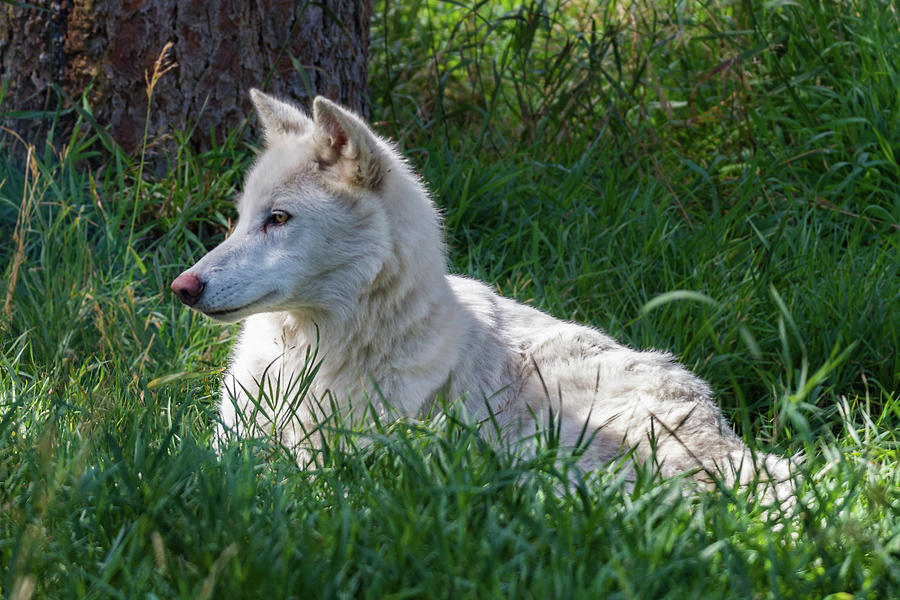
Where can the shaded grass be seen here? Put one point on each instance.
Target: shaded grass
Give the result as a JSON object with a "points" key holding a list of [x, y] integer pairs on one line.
{"points": [[716, 179]]}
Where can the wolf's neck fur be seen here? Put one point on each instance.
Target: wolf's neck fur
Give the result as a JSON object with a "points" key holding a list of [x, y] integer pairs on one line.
{"points": [[406, 319]]}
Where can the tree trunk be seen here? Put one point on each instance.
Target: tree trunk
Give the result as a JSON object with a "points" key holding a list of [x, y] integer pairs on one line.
{"points": [[293, 48]]}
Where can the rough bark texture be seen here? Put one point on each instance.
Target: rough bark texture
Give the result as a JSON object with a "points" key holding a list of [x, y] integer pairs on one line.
{"points": [[292, 48]]}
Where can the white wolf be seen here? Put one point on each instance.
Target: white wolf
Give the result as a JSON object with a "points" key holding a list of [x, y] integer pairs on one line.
{"points": [[338, 244]]}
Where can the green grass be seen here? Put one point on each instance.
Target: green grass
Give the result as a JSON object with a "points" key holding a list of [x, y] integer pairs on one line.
{"points": [[714, 178]]}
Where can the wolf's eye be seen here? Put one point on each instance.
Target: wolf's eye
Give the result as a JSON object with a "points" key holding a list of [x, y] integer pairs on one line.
{"points": [[278, 217]]}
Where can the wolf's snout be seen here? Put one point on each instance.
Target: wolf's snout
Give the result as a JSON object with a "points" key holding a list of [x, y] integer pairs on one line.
{"points": [[188, 287]]}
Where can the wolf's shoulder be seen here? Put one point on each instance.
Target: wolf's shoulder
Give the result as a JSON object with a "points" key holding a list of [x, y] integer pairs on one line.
{"points": [[494, 311], [521, 325]]}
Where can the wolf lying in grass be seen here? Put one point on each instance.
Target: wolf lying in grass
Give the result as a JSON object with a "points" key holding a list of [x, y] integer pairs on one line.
{"points": [[339, 245]]}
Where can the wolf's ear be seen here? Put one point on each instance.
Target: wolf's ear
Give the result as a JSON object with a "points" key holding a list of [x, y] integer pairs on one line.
{"points": [[277, 117], [346, 146]]}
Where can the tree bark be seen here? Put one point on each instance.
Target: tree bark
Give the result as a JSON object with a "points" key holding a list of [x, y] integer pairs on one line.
{"points": [[106, 48]]}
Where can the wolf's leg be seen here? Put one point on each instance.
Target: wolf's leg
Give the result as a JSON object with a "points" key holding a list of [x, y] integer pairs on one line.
{"points": [[775, 475], [697, 440]]}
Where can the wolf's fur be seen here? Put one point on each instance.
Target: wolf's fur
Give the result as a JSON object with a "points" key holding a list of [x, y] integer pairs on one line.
{"points": [[359, 268]]}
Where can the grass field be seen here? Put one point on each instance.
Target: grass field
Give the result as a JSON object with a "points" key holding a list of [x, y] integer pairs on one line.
{"points": [[719, 179]]}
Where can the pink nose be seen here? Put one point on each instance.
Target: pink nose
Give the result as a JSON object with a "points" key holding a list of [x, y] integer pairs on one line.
{"points": [[188, 287]]}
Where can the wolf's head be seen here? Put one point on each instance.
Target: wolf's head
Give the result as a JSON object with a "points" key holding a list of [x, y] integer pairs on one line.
{"points": [[327, 207]]}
